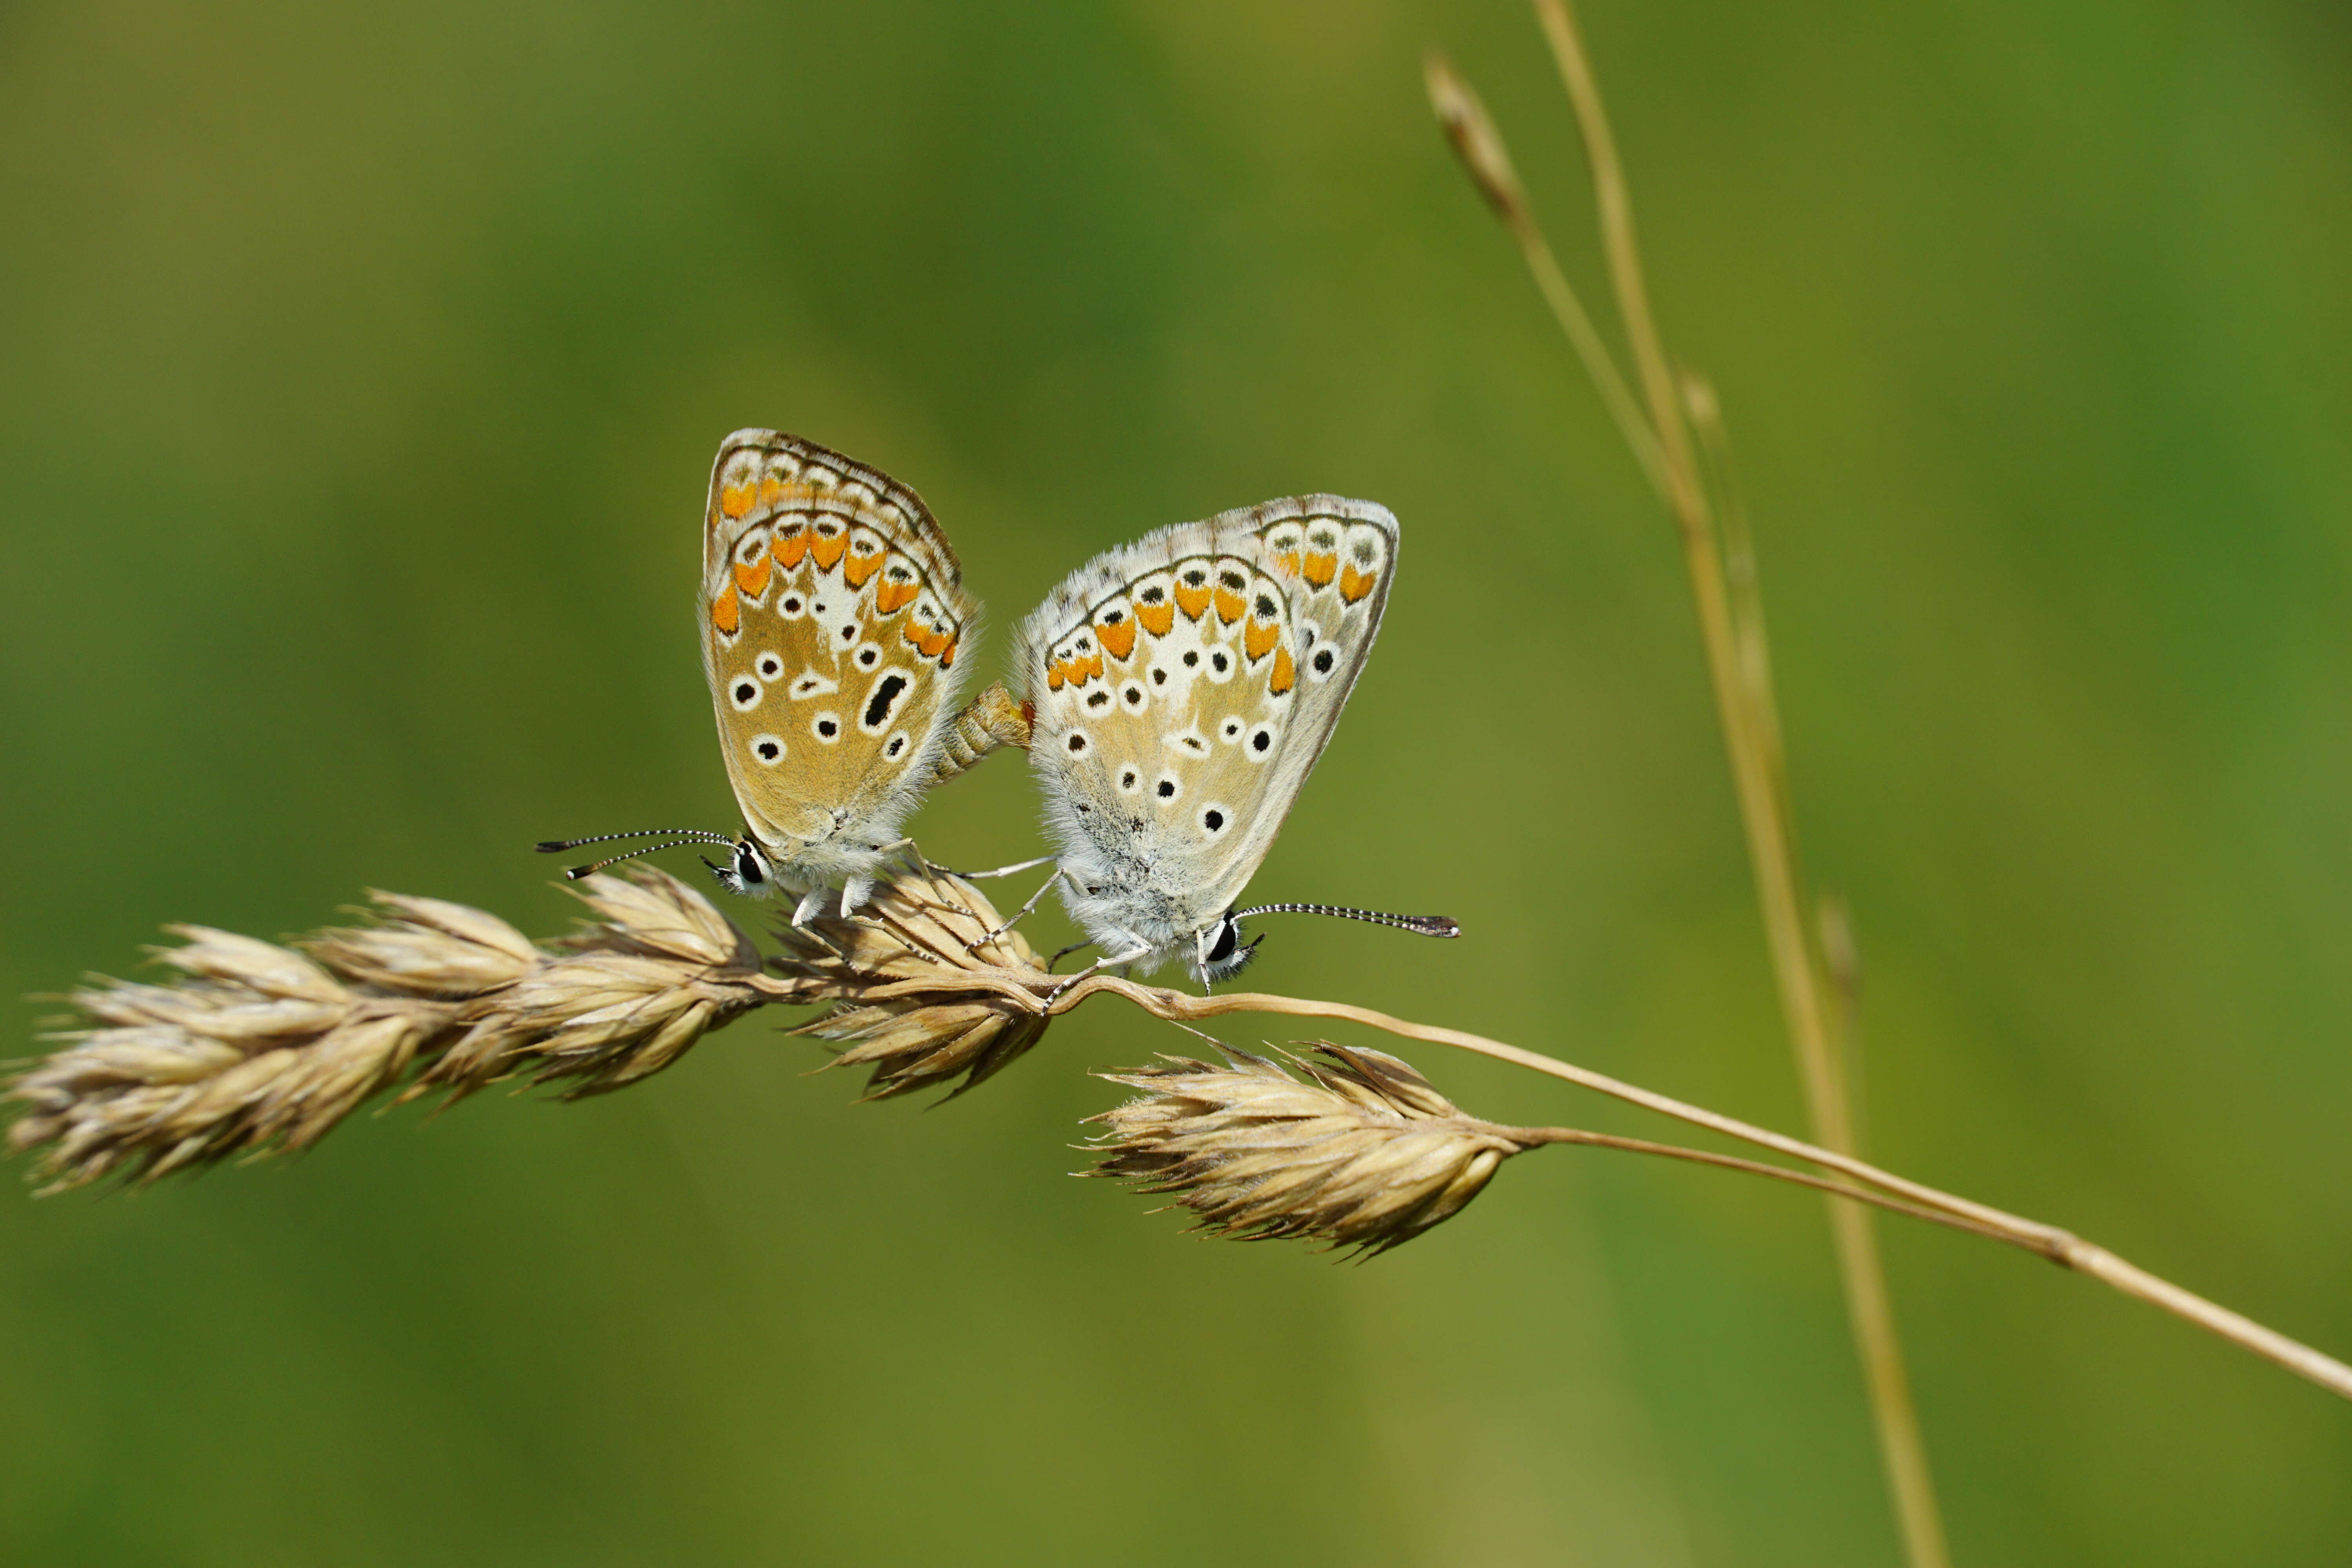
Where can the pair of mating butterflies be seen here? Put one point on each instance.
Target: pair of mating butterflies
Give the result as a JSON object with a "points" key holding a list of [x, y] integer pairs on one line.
{"points": [[1175, 693]]}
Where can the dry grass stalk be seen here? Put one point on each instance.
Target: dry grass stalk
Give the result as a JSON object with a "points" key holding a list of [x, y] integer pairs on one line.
{"points": [[1362, 1153], [920, 998], [1853, 1180], [262, 1047]]}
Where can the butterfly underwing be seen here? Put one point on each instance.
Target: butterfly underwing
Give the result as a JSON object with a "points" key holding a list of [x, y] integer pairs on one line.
{"points": [[834, 618]]}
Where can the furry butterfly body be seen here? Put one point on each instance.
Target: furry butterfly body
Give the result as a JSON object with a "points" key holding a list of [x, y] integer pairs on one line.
{"points": [[1183, 687]]}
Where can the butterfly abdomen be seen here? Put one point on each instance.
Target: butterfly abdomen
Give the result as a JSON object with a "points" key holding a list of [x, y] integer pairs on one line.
{"points": [[992, 720]]}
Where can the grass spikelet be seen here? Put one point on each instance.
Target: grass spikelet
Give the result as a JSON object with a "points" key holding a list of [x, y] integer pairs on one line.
{"points": [[1363, 1152], [924, 993], [260, 1047]]}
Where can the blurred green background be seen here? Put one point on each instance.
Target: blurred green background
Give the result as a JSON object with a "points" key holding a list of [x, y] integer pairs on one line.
{"points": [[360, 370]]}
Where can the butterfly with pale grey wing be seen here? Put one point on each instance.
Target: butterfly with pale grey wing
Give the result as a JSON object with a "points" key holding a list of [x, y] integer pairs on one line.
{"points": [[1183, 687], [834, 621]]}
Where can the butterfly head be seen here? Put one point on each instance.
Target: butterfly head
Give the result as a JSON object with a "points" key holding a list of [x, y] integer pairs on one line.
{"points": [[747, 872], [1218, 951]]}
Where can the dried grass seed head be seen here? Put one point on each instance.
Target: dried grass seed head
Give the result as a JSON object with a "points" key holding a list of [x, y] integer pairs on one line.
{"points": [[1362, 1153], [258, 1047], [261, 1046], [1475, 139]]}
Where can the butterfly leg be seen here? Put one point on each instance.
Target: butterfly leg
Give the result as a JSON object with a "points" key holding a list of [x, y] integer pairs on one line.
{"points": [[1000, 871], [1020, 914], [811, 906]]}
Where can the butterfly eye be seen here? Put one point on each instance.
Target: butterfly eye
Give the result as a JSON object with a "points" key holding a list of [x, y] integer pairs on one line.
{"points": [[748, 866], [1228, 937]]}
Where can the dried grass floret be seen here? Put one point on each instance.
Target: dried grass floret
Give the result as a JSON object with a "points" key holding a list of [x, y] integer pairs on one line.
{"points": [[612, 1003], [927, 988]]}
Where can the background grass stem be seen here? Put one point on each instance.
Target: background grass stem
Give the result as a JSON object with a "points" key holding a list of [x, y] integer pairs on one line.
{"points": [[1740, 672]]}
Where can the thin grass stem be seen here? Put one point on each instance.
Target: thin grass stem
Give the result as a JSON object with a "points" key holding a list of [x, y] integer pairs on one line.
{"points": [[2061, 1247]]}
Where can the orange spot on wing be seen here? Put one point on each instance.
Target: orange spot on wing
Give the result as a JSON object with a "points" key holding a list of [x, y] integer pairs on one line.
{"points": [[1319, 569], [791, 544], [724, 613], [1286, 561], [1192, 601], [946, 655], [861, 567], [1081, 670], [1117, 635], [1286, 675], [1259, 639], [826, 548], [771, 489], [891, 597], [1157, 619], [1355, 584], [753, 579], [736, 499], [1229, 605], [1055, 677]]}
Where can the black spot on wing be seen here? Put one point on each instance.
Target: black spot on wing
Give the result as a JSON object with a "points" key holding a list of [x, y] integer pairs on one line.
{"points": [[885, 698]]}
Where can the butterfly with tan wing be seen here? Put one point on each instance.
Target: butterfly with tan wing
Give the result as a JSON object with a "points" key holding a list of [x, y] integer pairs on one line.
{"points": [[1183, 687], [834, 626]]}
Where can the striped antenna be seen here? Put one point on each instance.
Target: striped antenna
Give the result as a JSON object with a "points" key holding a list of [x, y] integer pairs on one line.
{"points": [[1420, 925], [573, 873], [683, 835]]}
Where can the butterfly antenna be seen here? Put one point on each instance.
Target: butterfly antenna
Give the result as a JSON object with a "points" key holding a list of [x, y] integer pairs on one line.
{"points": [[683, 835], [573, 873], [1421, 925]]}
